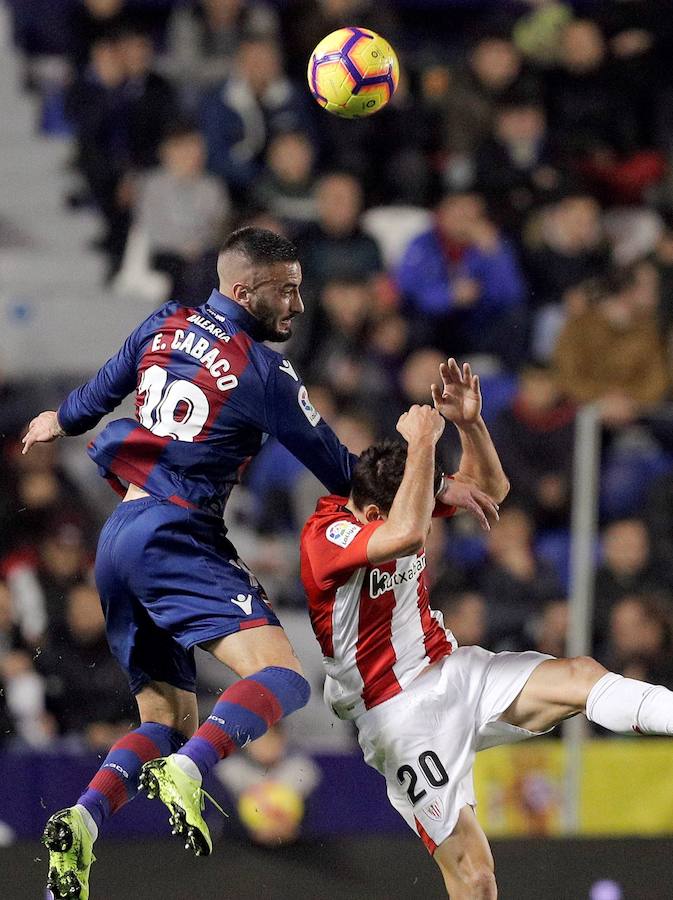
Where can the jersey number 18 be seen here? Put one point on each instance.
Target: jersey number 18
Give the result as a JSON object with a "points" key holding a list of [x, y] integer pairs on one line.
{"points": [[158, 411]]}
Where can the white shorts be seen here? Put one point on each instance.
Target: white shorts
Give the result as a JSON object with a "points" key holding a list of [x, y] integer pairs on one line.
{"points": [[424, 740]]}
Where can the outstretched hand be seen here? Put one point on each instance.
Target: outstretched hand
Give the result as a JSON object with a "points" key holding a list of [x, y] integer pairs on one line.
{"points": [[459, 399], [43, 429], [464, 495]]}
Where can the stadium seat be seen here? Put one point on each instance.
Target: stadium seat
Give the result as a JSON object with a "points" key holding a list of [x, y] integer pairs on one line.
{"points": [[394, 227], [136, 278]]}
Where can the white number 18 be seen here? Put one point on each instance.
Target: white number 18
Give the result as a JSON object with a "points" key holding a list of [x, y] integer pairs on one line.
{"points": [[157, 412]]}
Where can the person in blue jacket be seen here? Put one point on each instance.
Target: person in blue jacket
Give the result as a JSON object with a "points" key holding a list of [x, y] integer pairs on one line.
{"points": [[462, 283]]}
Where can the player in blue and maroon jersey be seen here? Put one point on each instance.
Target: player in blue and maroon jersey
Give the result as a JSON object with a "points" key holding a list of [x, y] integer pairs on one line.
{"points": [[207, 393]]}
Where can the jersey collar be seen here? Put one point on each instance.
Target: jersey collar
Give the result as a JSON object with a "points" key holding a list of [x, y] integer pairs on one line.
{"points": [[235, 312]]}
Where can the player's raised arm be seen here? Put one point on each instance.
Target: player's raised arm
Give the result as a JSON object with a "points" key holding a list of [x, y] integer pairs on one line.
{"points": [[292, 418], [408, 520], [84, 407], [459, 401]]}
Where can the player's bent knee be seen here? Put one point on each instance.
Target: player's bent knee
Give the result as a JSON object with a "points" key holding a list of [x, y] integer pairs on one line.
{"points": [[297, 690], [585, 672], [482, 885]]}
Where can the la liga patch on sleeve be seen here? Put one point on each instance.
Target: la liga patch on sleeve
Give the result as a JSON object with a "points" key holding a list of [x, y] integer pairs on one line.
{"points": [[307, 407], [342, 533]]}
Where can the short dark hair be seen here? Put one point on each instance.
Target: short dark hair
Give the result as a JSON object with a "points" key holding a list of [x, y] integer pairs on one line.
{"points": [[260, 246], [378, 475]]}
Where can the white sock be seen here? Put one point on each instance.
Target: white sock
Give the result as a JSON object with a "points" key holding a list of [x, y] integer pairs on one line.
{"points": [[187, 765], [92, 828], [624, 704]]}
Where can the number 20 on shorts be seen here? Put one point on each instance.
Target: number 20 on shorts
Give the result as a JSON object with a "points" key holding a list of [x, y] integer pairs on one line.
{"points": [[433, 772]]}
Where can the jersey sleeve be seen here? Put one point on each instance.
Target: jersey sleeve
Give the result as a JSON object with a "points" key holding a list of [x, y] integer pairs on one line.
{"points": [[84, 407], [292, 418], [338, 548]]}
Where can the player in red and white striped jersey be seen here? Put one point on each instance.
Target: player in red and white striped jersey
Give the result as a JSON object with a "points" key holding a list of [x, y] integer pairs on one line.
{"points": [[423, 707]]}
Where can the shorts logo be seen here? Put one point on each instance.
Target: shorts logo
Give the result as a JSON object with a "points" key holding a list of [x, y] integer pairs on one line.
{"points": [[435, 810], [244, 603], [307, 407], [342, 533]]}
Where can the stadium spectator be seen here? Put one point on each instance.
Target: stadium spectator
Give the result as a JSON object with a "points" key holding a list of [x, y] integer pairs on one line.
{"points": [[516, 167], [98, 107], [22, 707], [460, 103], [285, 187], [611, 353], [339, 357], [514, 581], [566, 245], [267, 763], [418, 372], [640, 637], [152, 102], [537, 34], [581, 95], [335, 246], [658, 513], [40, 579], [86, 690], [550, 628], [39, 496], [203, 38], [628, 566], [182, 209], [92, 21], [332, 248], [463, 285], [254, 103], [466, 614], [534, 437]]}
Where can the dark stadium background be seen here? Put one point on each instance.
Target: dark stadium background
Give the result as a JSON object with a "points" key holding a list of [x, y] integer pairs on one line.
{"points": [[542, 133]]}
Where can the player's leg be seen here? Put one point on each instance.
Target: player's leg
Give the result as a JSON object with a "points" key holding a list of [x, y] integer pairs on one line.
{"points": [[271, 687], [161, 676], [168, 716], [209, 598], [555, 690], [559, 688], [466, 861]]}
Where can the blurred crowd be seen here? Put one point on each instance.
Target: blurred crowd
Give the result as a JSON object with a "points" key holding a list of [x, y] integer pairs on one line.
{"points": [[513, 205]]}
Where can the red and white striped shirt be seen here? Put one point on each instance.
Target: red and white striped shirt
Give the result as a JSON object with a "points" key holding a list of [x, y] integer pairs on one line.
{"points": [[373, 623]]}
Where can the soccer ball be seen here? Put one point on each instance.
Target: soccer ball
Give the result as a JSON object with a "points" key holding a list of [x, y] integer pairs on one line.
{"points": [[353, 72]]}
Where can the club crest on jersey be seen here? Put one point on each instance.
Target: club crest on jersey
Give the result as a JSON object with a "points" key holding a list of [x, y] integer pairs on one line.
{"points": [[381, 582], [342, 533], [434, 810], [307, 407]]}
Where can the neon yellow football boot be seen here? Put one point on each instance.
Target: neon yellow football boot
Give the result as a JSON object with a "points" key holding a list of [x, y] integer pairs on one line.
{"points": [[70, 847], [163, 779]]}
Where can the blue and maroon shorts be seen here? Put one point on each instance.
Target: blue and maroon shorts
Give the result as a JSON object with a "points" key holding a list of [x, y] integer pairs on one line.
{"points": [[169, 580]]}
